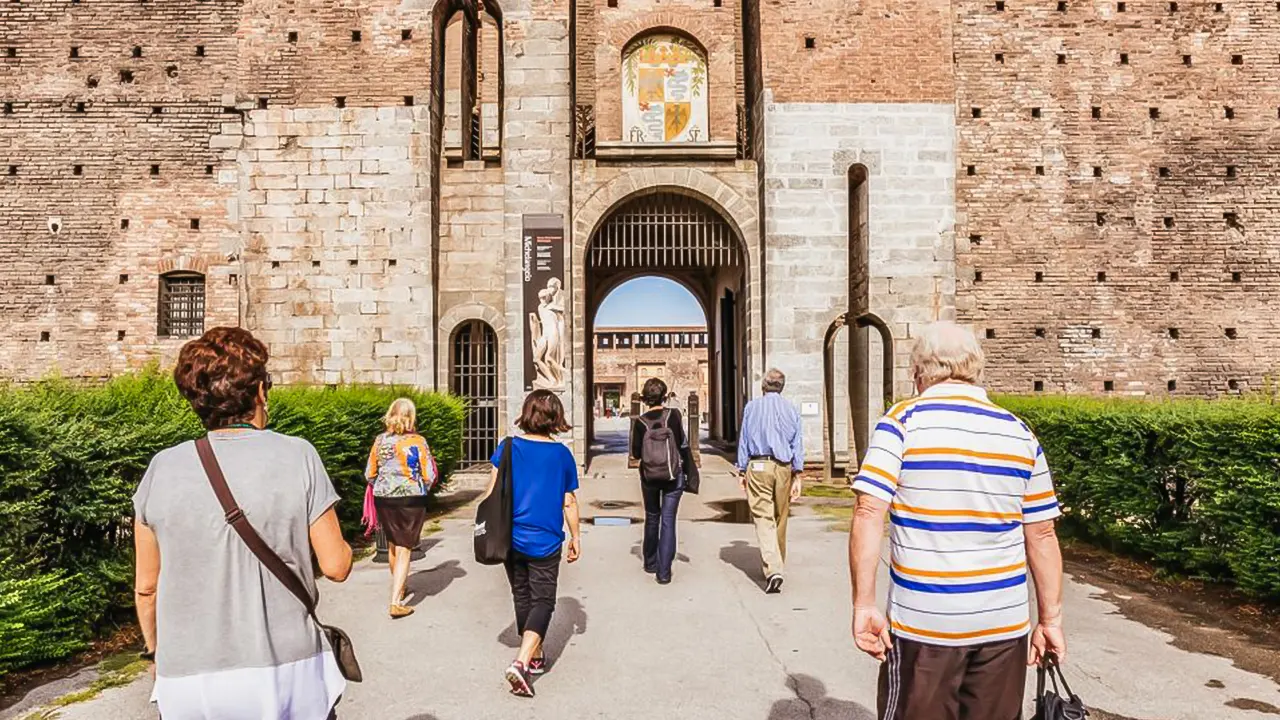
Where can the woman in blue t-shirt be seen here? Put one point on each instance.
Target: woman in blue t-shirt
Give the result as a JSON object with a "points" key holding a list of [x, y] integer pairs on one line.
{"points": [[544, 476]]}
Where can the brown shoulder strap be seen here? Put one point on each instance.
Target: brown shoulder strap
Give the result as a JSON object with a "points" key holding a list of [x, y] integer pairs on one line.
{"points": [[239, 523]]}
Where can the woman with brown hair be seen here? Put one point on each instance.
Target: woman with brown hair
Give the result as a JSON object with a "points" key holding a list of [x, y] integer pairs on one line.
{"points": [[544, 477], [402, 473], [230, 641]]}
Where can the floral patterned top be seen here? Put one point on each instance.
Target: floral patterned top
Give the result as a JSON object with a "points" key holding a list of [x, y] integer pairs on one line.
{"points": [[400, 466]]}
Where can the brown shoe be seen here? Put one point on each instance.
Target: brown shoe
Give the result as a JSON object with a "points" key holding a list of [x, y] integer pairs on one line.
{"points": [[399, 611]]}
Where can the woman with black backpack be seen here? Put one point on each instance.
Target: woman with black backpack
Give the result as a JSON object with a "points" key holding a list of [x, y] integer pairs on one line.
{"points": [[667, 470]]}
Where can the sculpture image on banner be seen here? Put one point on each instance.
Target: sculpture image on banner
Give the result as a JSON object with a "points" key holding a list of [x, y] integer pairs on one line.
{"points": [[664, 91], [547, 334]]}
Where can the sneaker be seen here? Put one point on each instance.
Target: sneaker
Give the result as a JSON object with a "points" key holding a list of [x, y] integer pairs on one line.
{"points": [[537, 666], [518, 677], [774, 585]]}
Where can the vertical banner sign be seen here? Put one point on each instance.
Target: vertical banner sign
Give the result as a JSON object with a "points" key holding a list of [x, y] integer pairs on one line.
{"points": [[546, 335]]}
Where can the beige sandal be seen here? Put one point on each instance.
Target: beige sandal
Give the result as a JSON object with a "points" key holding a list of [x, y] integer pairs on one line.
{"points": [[399, 611]]}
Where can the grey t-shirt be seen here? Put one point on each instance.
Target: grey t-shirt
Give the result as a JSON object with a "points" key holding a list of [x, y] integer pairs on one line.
{"points": [[218, 608]]}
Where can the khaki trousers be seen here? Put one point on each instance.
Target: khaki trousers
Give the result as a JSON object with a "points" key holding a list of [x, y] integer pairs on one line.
{"points": [[769, 497]]}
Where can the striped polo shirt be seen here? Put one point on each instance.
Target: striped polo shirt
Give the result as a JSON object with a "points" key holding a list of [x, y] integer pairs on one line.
{"points": [[962, 476]]}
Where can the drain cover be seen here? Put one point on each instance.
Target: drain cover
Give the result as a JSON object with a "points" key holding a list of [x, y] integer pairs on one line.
{"points": [[613, 504], [611, 521]]}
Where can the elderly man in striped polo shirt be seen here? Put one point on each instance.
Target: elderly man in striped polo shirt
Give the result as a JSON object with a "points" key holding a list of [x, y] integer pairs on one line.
{"points": [[971, 508]]}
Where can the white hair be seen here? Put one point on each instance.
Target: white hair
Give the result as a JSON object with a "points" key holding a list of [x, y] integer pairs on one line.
{"points": [[946, 351], [775, 381]]}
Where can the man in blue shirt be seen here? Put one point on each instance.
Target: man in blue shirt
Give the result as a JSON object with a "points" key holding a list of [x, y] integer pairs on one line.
{"points": [[770, 458]]}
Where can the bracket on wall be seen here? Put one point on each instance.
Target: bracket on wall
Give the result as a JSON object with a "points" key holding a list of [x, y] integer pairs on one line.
{"points": [[744, 134], [584, 132]]}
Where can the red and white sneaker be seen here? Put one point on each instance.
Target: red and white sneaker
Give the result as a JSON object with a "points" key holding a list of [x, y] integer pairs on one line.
{"points": [[518, 677], [537, 666]]}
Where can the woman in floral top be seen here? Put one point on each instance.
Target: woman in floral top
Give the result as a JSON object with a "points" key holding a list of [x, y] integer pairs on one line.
{"points": [[402, 472]]}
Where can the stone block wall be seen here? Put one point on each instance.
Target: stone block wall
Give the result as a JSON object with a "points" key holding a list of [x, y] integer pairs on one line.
{"points": [[1117, 180]]}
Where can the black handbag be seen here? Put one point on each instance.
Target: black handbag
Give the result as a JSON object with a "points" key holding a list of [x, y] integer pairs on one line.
{"points": [[339, 641], [1051, 704], [494, 515]]}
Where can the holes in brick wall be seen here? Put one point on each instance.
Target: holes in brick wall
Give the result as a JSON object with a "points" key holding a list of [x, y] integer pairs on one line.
{"points": [[717, 3], [124, 223], [991, 333], [137, 51], [1172, 385], [1038, 386], [340, 101], [119, 335], [406, 35], [50, 280], [1231, 171], [1101, 219], [1035, 113], [1186, 60], [1102, 276], [810, 42], [1124, 58], [409, 101], [1228, 112], [1174, 333], [1062, 58], [1097, 171], [1121, 7], [613, 3], [263, 102], [156, 110], [356, 36], [391, 263], [292, 36], [977, 276], [976, 112], [77, 170], [1039, 169], [195, 223], [11, 52], [1153, 113], [91, 81], [1173, 7], [1039, 276], [1236, 276], [315, 264], [1062, 6], [1217, 7], [155, 169], [126, 76], [1231, 384], [1096, 333], [1096, 112], [81, 107], [1174, 276], [1231, 333], [975, 239], [999, 5], [208, 169], [199, 51], [1231, 219], [75, 52], [230, 110], [1040, 332], [171, 71], [44, 337], [353, 263], [8, 108], [275, 264], [124, 278], [13, 170], [1000, 58], [1168, 221], [233, 279], [1163, 172], [971, 170], [1108, 385]]}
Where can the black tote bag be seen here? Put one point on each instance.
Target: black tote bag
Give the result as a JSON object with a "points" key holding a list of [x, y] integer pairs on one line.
{"points": [[1051, 703], [493, 517]]}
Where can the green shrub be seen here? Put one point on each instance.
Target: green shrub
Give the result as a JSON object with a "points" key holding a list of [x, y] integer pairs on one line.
{"points": [[72, 454], [1192, 485]]}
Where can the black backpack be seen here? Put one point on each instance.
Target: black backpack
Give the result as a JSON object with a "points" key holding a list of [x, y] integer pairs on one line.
{"points": [[659, 453]]}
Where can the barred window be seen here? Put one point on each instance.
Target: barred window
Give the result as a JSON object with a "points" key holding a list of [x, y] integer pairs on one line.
{"points": [[181, 310]]}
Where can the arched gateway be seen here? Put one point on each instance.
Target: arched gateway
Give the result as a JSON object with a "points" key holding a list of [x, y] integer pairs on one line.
{"points": [[673, 233]]}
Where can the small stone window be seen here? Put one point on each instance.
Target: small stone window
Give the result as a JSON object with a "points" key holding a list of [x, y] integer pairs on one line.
{"points": [[1035, 113], [1097, 171], [355, 36], [119, 335], [1000, 58], [991, 333], [1217, 7], [810, 42], [195, 223], [1228, 112], [181, 305], [1172, 385], [13, 169], [1174, 333], [1173, 7], [1038, 385], [1124, 58], [1040, 332], [156, 110], [124, 278], [1121, 7], [408, 101], [391, 263], [50, 280], [976, 112], [44, 337], [971, 169], [77, 169], [1108, 385], [124, 223], [1039, 169], [208, 169], [1236, 277], [75, 52], [1163, 172], [1231, 334], [1062, 58], [1186, 60], [155, 169], [8, 108], [1231, 171], [717, 3], [1154, 113], [1062, 6], [12, 52], [1096, 112], [1096, 333], [977, 276], [1102, 277], [1039, 276], [613, 3], [199, 51], [999, 5], [1168, 221], [315, 263], [293, 36], [340, 101], [1175, 276], [263, 102]]}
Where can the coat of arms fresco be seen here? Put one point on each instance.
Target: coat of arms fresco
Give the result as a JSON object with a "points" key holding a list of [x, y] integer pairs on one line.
{"points": [[664, 94]]}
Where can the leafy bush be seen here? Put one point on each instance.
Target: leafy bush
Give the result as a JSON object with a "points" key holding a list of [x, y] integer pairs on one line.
{"points": [[1192, 485], [72, 454]]}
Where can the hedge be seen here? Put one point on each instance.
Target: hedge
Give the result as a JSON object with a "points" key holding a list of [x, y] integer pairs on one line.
{"points": [[71, 455], [1193, 486]]}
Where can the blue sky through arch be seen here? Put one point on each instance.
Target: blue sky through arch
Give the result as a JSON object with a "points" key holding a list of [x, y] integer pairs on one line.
{"points": [[650, 302]]}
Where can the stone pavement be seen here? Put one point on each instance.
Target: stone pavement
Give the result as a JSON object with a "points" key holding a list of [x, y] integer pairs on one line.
{"points": [[711, 645]]}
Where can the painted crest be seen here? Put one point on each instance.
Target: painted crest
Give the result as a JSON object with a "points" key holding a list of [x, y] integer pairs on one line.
{"points": [[664, 94]]}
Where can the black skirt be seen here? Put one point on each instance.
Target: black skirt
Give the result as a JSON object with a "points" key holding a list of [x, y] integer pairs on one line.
{"points": [[401, 519]]}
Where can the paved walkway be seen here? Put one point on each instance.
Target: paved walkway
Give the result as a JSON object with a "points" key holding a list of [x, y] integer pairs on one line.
{"points": [[711, 645]]}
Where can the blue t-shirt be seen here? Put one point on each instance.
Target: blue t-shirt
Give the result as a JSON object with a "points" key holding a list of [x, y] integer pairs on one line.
{"points": [[542, 473]]}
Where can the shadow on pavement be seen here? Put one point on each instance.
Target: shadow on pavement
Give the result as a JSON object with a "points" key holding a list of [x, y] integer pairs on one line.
{"points": [[811, 702], [746, 558], [423, 716], [635, 550], [570, 619], [418, 552], [433, 581]]}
